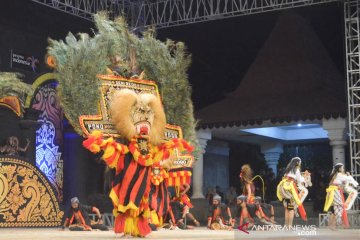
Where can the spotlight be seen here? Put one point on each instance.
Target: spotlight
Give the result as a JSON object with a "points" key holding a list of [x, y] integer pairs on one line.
{"points": [[299, 124]]}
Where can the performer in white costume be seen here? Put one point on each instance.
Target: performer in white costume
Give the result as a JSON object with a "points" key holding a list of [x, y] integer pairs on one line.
{"points": [[288, 191], [335, 203]]}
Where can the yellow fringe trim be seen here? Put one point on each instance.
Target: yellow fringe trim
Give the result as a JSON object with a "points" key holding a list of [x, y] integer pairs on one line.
{"points": [[131, 226], [113, 196], [154, 218]]}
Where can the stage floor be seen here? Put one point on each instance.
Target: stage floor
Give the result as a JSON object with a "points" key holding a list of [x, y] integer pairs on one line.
{"points": [[199, 233]]}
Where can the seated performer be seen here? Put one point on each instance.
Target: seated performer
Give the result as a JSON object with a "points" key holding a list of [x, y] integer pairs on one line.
{"points": [[264, 210], [219, 217], [246, 175], [287, 191], [250, 213], [79, 220], [335, 203], [243, 213]]}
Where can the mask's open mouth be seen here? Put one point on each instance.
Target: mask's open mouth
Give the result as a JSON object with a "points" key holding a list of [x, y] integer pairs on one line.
{"points": [[143, 128]]}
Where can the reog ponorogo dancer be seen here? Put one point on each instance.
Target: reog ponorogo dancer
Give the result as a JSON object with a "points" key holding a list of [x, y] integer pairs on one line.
{"points": [[140, 119]]}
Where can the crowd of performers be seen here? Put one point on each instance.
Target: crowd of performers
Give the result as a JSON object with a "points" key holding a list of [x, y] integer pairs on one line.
{"points": [[173, 210], [249, 211], [143, 178], [170, 207], [291, 191]]}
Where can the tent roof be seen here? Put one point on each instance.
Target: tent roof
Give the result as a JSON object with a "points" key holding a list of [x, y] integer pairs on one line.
{"points": [[292, 78]]}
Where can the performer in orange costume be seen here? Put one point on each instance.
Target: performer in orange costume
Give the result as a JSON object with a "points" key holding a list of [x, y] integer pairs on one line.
{"points": [[246, 175]]}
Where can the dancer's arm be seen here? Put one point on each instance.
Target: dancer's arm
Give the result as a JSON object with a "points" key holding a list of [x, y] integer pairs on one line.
{"points": [[349, 179], [299, 179], [209, 222], [67, 220], [241, 220], [230, 217], [26, 147], [113, 151], [186, 189], [210, 215], [98, 214]]}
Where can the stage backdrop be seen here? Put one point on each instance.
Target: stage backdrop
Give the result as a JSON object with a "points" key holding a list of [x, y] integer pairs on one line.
{"points": [[26, 197], [49, 136]]}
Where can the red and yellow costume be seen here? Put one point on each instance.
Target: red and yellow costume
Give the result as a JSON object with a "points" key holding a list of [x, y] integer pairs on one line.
{"points": [[335, 200], [132, 183], [287, 191]]}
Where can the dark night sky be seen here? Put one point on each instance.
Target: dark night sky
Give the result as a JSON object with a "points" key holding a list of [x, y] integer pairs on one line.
{"points": [[222, 50]]}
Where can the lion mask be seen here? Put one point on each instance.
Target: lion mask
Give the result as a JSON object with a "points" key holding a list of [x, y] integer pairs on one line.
{"points": [[138, 115]]}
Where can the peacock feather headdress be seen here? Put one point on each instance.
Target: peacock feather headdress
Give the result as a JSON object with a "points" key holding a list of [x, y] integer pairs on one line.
{"points": [[79, 59]]}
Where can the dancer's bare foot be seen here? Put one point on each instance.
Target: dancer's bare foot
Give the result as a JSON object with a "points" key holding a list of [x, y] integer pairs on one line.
{"points": [[119, 235]]}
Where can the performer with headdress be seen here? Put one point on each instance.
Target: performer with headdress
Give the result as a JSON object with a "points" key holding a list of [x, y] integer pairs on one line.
{"points": [[125, 103], [287, 191], [246, 175], [140, 119], [335, 203], [219, 216]]}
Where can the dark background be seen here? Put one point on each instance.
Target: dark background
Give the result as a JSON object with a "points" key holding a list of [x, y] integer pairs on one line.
{"points": [[222, 50]]}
